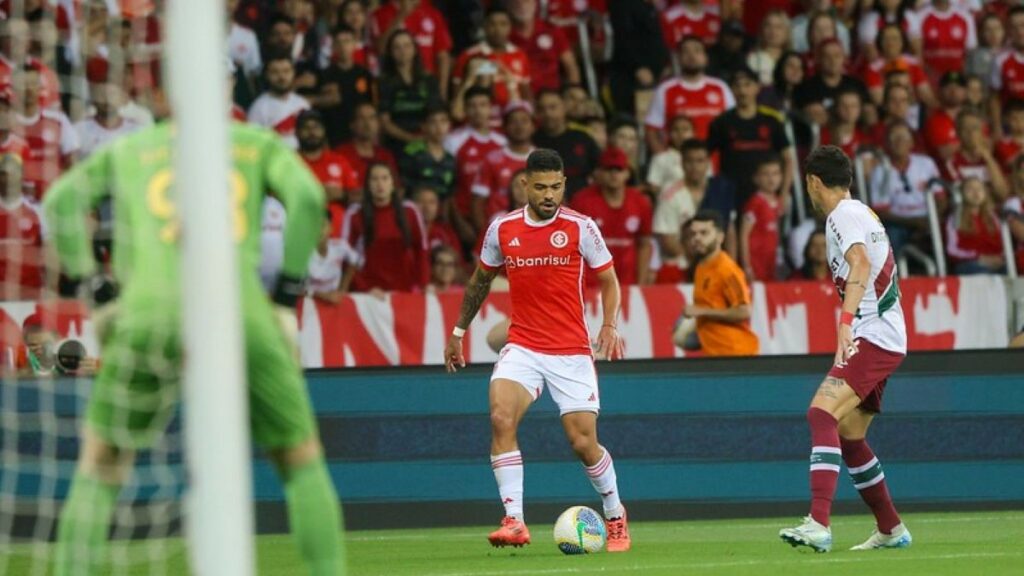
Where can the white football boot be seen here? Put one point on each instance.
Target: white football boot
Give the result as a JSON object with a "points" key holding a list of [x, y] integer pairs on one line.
{"points": [[900, 538], [810, 534]]}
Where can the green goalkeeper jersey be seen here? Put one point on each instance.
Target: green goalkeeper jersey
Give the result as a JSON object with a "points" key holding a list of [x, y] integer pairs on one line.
{"points": [[137, 173]]}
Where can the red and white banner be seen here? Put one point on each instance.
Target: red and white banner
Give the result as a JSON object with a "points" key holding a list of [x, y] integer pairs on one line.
{"points": [[412, 329], [789, 318]]}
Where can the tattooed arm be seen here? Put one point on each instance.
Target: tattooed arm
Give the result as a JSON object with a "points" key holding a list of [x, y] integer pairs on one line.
{"points": [[477, 289]]}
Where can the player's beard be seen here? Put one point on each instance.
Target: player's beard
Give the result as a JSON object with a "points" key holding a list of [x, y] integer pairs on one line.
{"points": [[543, 212], [311, 144]]}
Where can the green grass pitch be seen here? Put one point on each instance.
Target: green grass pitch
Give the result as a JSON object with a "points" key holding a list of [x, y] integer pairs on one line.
{"points": [[985, 543]]}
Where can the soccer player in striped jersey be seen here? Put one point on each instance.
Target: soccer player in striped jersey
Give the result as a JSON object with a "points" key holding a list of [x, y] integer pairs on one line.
{"points": [[872, 344]]}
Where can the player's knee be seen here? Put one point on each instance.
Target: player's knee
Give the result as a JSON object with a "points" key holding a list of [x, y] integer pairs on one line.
{"points": [[502, 421], [583, 444], [287, 459], [104, 461]]}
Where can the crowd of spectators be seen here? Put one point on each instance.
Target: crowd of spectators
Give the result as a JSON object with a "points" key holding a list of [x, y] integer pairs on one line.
{"points": [[417, 117]]}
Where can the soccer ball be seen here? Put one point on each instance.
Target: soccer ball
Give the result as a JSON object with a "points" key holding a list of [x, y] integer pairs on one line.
{"points": [[580, 530]]}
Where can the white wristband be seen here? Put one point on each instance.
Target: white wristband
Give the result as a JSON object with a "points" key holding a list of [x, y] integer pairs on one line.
{"points": [[458, 332]]}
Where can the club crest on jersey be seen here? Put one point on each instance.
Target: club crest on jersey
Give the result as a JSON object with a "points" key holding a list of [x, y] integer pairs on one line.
{"points": [[559, 239], [632, 224]]}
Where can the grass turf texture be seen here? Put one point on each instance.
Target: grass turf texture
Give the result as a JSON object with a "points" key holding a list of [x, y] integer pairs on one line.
{"points": [[987, 543]]}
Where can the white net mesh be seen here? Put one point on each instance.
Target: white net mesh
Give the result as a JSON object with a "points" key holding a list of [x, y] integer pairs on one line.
{"points": [[74, 74]]}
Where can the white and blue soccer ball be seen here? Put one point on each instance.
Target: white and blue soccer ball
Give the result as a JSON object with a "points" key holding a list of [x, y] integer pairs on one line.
{"points": [[580, 530]]}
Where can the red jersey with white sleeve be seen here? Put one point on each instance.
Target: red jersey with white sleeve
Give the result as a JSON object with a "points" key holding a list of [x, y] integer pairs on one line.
{"points": [[333, 170], [544, 49], [701, 101], [763, 211], [427, 26], [960, 167], [49, 92], [679, 21], [512, 63], [984, 239], [544, 262], [279, 114], [21, 247], [494, 178], [624, 228], [1006, 151], [874, 75], [470, 149], [946, 36], [1008, 75], [52, 143]]}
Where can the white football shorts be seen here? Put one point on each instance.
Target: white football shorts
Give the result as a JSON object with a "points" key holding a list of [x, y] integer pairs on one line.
{"points": [[572, 379]]}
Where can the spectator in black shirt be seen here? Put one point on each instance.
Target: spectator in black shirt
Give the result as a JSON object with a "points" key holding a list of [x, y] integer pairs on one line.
{"points": [[748, 134], [639, 52], [578, 150], [425, 162], [341, 87], [406, 91], [730, 53], [816, 95]]}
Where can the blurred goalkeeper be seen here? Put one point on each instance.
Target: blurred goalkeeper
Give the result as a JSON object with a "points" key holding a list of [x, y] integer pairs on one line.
{"points": [[137, 388]]}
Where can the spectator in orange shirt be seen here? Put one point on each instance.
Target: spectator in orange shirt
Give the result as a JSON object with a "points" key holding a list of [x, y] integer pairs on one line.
{"points": [[721, 298]]}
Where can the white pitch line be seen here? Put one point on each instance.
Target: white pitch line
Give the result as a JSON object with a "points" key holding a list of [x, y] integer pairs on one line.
{"points": [[731, 564]]}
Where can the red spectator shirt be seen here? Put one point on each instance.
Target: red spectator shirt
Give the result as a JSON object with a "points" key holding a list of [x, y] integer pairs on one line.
{"points": [[945, 38], [52, 143], [21, 248], [959, 167], [763, 211], [359, 163], [1006, 151], [566, 14], [1008, 75], [238, 114], [679, 22], [874, 75], [442, 234], [623, 228], [495, 177], [332, 169], [544, 262], [962, 245], [387, 263], [470, 149], [544, 51], [939, 131], [512, 60], [700, 101], [427, 26], [850, 144]]}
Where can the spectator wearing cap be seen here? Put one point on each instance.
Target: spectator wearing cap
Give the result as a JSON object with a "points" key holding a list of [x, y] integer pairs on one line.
{"points": [[52, 140], [331, 168], [1009, 147], [623, 214], [639, 51], [746, 135], [700, 97], [22, 270], [425, 162], [816, 94], [279, 106], [364, 147], [552, 61], [341, 86], [425, 24], [406, 92], [893, 57], [690, 18], [729, 54], [940, 136], [503, 60], [577, 148], [1007, 80], [106, 123], [490, 189]]}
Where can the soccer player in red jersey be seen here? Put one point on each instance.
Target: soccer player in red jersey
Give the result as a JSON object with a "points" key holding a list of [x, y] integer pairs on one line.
{"points": [[544, 249]]}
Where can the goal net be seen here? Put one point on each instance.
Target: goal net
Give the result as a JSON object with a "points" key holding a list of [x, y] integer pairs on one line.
{"points": [[74, 76]]}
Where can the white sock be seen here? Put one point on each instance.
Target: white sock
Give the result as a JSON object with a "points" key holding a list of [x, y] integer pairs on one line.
{"points": [[508, 473], [602, 477]]}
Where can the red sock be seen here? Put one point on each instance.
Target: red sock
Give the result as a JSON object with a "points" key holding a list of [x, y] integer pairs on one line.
{"points": [[866, 473], [826, 456]]}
